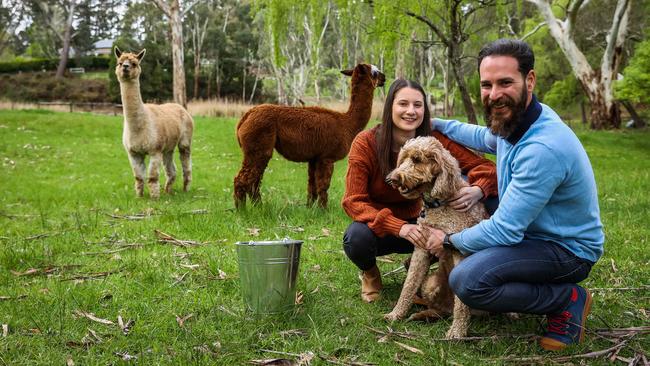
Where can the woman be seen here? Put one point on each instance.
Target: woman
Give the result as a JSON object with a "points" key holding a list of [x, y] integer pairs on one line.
{"points": [[384, 221]]}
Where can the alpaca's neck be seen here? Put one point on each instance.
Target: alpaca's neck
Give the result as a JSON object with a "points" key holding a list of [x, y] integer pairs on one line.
{"points": [[360, 107], [132, 105]]}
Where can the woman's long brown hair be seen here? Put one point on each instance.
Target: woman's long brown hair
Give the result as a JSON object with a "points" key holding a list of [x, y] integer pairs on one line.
{"points": [[384, 135]]}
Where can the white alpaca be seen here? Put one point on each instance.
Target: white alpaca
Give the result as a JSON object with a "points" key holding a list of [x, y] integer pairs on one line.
{"points": [[151, 129]]}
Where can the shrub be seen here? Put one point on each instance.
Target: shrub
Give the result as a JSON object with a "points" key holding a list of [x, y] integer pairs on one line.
{"points": [[50, 64], [43, 86]]}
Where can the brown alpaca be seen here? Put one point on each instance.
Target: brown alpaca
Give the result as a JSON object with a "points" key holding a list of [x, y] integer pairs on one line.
{"points": [[426, 169], [304, 134], [151, 129]]}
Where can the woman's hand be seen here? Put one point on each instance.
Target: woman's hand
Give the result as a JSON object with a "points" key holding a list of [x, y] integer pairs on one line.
{"points": [[466, 198], [416, 234]]}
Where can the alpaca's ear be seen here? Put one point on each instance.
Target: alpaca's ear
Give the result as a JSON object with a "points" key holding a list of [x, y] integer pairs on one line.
{"points": [[347, 72], [118, 53], [141, 54]]}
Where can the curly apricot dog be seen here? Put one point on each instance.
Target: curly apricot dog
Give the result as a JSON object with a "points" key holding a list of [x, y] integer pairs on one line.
{"points": [[426, 169]]}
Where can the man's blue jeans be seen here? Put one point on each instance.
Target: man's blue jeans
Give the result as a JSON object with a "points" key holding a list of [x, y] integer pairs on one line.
{"points": [[534, 277]]}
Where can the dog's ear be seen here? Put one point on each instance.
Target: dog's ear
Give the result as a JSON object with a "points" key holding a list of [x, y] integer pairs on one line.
{"points": [[446, 184]]}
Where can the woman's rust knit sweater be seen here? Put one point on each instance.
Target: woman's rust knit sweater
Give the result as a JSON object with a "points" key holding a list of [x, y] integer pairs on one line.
{"points": [[368, 198]]}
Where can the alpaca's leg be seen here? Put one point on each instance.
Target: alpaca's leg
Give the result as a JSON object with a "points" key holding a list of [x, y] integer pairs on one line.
{"points": [[139, 172], [186, 163], [312, 193], [154, 174], [324, 169], [170, 170], [417, 270], [249, 178]]}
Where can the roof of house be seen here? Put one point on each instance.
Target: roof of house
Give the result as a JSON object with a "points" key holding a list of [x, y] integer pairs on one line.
{"points": [[104, 43]]}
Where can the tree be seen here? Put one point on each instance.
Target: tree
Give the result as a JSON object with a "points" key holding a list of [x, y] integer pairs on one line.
{"points": [[634, 86], [11, 14], [597, 85], [453, 29], [175, 14], [58, 16]]}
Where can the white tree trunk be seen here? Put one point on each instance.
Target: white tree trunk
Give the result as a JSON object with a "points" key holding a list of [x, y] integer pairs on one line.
{"points": [[60, 70], [597, 86], [175, 16]]}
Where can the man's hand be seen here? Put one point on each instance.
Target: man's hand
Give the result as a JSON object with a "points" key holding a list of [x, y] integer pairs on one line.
{"points": [[465, 198], [416, 234], [434, 243]]}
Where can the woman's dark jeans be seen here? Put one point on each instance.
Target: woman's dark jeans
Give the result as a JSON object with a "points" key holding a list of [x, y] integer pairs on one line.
{"points": [[362, 246], [534, 277]]}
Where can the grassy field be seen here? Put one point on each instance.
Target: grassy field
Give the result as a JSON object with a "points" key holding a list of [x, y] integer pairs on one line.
{"points": [[75, 241]]}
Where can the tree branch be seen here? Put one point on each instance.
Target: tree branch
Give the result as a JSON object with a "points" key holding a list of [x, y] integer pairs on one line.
{"points": [[188, 7], [430, 24], [537, 27], [572, 15], [163, 6]]}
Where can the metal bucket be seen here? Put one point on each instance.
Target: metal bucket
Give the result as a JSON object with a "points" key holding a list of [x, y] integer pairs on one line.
{"points": [[268, 271]]}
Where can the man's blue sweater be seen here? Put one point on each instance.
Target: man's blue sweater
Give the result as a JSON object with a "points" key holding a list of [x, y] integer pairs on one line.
{"points": [[547, 189]]}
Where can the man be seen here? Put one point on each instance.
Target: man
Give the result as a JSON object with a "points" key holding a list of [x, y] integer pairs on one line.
{"points": [[546, 233]]}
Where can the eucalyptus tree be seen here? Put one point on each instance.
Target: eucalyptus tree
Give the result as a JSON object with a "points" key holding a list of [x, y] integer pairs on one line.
{"points": [[597, 84], [12, 13], [58, 17], [295, 31], [453, 22], [175, 12]]}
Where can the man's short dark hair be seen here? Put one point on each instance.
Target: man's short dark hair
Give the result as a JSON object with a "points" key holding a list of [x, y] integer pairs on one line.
{"points": [[513, 48]]}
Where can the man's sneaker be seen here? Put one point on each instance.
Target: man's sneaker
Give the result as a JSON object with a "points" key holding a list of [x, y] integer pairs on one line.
{"points": [[568, 327]]}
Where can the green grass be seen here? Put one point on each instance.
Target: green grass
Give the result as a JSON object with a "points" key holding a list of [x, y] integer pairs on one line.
{"points": [[63, 175]]}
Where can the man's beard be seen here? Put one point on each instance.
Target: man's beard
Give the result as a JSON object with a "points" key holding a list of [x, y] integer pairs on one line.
{"points": [[499, 125]]}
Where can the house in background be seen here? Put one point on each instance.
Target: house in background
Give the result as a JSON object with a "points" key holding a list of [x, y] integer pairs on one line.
{"points": [[103, 47]]}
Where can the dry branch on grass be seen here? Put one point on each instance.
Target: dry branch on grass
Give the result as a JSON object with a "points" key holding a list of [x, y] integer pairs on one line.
{"points": [[168, 239], [121, 248], [45, 270], [91, 276], [6, 298], [42, 236]]}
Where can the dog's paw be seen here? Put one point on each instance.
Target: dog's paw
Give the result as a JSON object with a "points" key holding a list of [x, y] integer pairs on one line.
{"points": [[392, 316], [513, 316], [453, 333]]}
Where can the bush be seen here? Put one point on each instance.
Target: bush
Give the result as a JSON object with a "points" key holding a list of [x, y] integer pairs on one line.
{"points": [[50, 64], [43, 86]]}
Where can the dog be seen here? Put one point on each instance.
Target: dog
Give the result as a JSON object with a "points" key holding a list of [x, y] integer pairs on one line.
{"points": [[425, 169]]}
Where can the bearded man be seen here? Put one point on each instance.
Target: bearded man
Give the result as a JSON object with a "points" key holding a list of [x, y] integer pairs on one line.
{"points": [[546, 233]]}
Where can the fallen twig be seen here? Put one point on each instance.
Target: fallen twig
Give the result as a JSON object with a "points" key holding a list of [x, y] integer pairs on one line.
{"points": [[594, 354], [92, 317], [492, 337], [344, 363], [166, 238], [90, 276], [4, 298], [201, 211], [139, 216], [45, 270], [644, 287], [391, 332], [41, 236], [120, 248]]}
